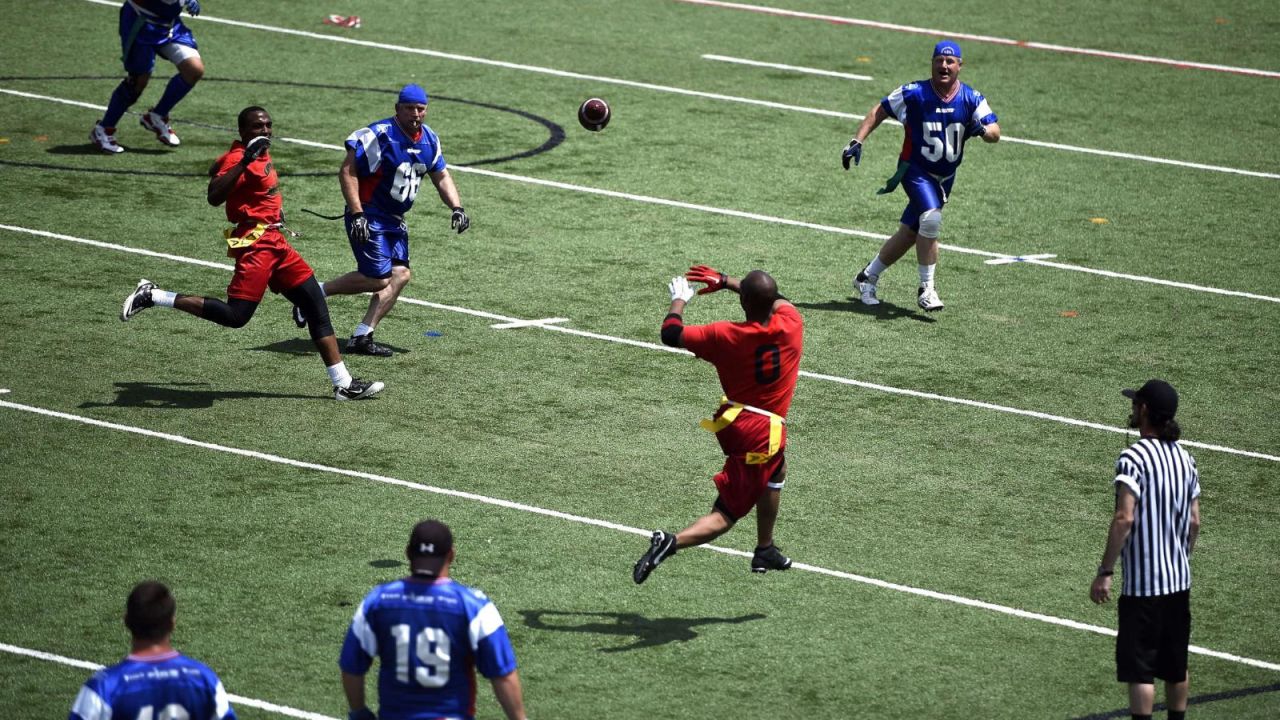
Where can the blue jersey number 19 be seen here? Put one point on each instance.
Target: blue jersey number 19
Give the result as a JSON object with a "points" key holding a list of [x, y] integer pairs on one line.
{"points": [[432, 646]]}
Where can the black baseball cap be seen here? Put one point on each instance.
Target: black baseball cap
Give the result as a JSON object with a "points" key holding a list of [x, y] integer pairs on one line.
{"points": [[1159, 397], [429, 546]]}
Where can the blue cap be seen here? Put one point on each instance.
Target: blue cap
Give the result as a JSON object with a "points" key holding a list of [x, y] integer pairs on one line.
{"points": [[415, 94], [946, 47]]}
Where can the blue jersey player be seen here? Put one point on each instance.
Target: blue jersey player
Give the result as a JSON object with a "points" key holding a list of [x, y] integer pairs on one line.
{"points": [[938, 115], [149, 28], [385, 164], [155, 681], [429, 634]]}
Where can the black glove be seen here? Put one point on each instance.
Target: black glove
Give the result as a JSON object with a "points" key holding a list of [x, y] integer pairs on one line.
{"points": [[852, 152], [459, 221], [254, 148], [358, 228], [975, 128], [363, 713]]}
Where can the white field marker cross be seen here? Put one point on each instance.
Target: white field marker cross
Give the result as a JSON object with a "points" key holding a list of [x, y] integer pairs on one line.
{"points": [[528, 323], [1019, 258]]}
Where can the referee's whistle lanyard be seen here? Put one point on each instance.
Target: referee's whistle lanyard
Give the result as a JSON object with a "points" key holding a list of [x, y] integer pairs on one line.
{"points": [[731, 413]]}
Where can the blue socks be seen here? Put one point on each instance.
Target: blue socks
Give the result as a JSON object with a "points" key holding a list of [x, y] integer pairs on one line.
{"points": [[173, 93]]}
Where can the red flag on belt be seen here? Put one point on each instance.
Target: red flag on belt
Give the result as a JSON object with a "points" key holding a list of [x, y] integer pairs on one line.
{"points": [[346, 21]]}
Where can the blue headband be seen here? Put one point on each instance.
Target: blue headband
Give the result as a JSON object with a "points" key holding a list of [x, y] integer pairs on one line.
{"points": [[414, 94], [946, 47]]}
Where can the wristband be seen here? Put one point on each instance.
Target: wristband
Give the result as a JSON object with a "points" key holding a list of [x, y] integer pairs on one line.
{"points": [[1104, 572]]}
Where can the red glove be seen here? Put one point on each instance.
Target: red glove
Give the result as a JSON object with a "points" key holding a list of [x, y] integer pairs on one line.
{"points": [[714, 279]]}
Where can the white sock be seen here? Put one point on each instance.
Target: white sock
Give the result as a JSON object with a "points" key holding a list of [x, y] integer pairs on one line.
{"points": [[876, 267], [362, 329], [162, 298], [338, 375], [926, 274]]}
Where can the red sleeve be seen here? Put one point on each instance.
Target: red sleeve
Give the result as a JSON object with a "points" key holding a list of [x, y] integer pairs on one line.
{"points": [[228, 160], [700, 339]]}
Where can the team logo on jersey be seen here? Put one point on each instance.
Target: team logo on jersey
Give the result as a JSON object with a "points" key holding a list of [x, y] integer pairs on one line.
{"points": [[911, 86]]}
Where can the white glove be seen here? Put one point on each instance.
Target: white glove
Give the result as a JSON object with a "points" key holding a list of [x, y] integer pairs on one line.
{"points": [[680, 289]]}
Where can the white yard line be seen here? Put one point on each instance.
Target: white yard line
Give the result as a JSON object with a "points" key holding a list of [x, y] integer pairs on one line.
{"points": [[1027, 259], [986, 38], [235, 699], [548, 325], [791, 68], [679, 91], [522, 507]]}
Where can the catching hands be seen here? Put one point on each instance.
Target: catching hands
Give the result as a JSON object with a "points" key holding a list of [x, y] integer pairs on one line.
{"points": [[714, 279], [254, 149], [192, 6], [359, 228], [852, 152], [363, 713], [459, 221], [680, 289]]}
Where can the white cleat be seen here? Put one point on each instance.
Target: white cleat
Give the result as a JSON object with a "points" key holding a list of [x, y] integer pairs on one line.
{"points": [[865, 286], [138, 300], [927, 298], [104, 138], [358, 390], [159, 124]]}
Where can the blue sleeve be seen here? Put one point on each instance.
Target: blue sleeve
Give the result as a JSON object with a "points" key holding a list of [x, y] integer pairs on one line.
{"points": [[982, 110], [368, 150], [437, 161], [360, 644], [495, 656]]}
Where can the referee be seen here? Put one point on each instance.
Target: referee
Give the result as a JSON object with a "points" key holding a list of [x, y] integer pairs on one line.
{"points": [[1154, 528]]}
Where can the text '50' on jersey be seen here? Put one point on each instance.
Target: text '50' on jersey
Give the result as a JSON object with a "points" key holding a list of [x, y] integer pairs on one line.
{"points": [[159, 686], [430, 638], [936, 129], [390, 165], [757, 364]]}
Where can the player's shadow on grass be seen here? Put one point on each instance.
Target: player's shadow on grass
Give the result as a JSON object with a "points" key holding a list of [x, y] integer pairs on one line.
{"points": [[90, 149], [304, 346], [1195, 700], [884, 311], [647, 633], [181, 396]]}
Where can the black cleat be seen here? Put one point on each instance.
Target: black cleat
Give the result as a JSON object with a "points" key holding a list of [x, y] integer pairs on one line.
{"points": [[298, 318], [661, 546], [358, 390], [769, 558], [364, 345], [138, 300]]}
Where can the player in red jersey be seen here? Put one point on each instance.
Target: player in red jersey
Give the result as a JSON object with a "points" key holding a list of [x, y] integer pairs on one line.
{"points": [[245, 179], [758, 361]]}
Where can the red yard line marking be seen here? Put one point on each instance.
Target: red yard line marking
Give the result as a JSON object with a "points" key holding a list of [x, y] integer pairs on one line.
{"points": [[835, 19]]}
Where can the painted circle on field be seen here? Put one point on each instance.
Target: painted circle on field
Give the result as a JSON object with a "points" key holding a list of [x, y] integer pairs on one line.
{"points": [[555, 133]]}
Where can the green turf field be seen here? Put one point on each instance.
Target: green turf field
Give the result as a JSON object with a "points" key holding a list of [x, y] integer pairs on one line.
{"points": [[913, 460]]}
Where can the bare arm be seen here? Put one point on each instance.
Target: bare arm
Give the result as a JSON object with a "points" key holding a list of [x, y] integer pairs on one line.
{"points": [[1121, 525], [869, 123], [1194, 531], [510, 697], [353, 687], [350, 183], [993, 133], [444, 185], [220, 185]]}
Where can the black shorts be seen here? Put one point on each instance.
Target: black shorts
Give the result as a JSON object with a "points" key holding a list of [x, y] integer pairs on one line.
{"points": [[1153, 638]]}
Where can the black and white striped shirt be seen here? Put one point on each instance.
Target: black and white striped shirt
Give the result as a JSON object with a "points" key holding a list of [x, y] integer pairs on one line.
{"points": [[1164, 478]]}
